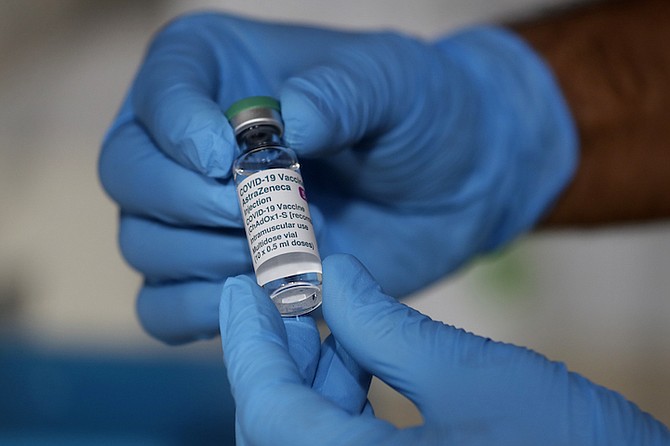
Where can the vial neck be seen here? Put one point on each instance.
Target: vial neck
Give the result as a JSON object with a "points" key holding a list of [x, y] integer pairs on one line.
{"points": [[258, 136]]}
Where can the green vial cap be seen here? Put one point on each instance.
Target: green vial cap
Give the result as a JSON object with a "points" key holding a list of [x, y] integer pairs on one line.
{"points": [[255, 110], [252, 102]]}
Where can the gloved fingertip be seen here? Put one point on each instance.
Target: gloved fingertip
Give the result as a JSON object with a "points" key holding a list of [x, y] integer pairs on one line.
{"points": [[309, 124], [240, 296], [346, 281], [237, 290], [304, 345], [303, 328], [185, 122], [340, 379], [210, 149], [343, 261], [231, 283], [178, 313]]}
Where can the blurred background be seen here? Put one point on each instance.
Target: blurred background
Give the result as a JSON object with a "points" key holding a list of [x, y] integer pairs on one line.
{"points": [[74, 363]]}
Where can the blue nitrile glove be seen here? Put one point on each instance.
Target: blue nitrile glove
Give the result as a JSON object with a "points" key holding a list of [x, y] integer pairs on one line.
{"points": [[329, 371], [416, 156], [469, 390]]}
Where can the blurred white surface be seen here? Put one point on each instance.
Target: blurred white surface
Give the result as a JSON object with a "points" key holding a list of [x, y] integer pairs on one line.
{"points": [[597, 300]]}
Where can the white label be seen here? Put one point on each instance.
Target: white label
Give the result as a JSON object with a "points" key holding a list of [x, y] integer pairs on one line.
{"points": [[276, 219]]}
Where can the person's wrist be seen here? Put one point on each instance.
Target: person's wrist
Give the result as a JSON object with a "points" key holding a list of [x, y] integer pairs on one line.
{"points": [[529, 137]]}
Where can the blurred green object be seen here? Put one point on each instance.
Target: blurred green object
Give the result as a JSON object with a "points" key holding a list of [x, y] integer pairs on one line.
{"points": [[506, 275]]}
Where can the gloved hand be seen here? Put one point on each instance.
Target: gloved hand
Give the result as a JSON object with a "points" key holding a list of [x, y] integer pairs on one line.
{"points": [[327, 369], [416, 156], [469, 390]]}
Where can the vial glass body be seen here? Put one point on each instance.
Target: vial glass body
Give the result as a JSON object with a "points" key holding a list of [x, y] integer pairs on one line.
{"points": [[277, 221]]}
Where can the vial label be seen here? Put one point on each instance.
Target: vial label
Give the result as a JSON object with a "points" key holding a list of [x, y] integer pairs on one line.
{"points": [[277, 220]]}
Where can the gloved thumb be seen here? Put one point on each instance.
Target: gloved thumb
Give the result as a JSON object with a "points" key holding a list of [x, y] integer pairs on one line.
{"points": [[394, 342], [358, 94]]}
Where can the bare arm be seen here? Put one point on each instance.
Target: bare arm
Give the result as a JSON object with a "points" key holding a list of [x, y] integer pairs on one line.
{"points": [[612, 60]]}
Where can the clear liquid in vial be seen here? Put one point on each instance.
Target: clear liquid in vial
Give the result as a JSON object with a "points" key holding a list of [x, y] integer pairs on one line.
{"points": [[297, 291]]}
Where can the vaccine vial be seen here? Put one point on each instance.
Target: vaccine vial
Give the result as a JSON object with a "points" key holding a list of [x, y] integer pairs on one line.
{"points": [[274, 207]]}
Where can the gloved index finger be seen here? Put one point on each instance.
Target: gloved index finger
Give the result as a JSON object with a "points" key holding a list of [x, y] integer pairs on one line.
{"points": [[174, 97], [304, 345], [143, 181], [401, 346], [253, 336], [340, 379]]}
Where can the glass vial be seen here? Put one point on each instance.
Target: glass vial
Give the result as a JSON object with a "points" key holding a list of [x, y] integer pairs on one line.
{"points": [[274, 207]]}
